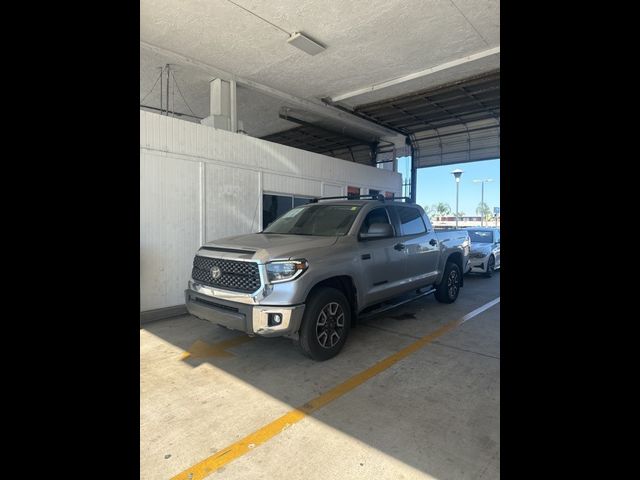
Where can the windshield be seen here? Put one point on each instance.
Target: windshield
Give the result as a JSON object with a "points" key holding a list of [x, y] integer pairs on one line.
{"points": [[323, 220], [481, 236]]}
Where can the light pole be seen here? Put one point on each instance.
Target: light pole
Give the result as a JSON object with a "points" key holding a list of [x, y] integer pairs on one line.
{"points": [[456, 173], [487, 180]]}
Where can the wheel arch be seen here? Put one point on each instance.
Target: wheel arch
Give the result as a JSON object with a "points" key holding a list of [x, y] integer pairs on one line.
{"points": [[346, 285], [455, 257]]}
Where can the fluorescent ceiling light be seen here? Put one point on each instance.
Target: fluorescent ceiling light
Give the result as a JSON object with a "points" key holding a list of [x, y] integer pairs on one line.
{"points": [[304, 43]]}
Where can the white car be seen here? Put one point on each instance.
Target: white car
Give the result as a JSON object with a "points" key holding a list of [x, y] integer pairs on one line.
{"points": [[484, 255]]}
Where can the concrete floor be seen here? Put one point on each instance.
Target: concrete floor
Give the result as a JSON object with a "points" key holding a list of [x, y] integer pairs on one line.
{"points": [[434, 414]]}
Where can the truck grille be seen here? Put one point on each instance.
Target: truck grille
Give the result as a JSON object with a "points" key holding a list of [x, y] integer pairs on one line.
{"points": [[237, 276]]}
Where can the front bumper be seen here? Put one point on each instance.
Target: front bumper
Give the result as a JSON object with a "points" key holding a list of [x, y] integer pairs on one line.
{"points": [[479, 265], [251, 319]]}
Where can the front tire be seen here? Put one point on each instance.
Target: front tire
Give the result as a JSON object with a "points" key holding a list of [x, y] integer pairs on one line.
{"points": [[491, 266], [447, 291], [325, 324]]}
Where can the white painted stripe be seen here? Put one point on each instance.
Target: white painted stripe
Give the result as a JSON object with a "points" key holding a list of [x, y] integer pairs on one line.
{"points": [[479, 310]]}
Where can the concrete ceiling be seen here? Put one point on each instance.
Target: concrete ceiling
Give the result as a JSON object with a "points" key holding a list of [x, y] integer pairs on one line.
{"points": [[368, 42], [258, 112]]}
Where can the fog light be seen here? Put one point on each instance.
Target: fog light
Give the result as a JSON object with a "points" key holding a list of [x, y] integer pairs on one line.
{"points": [[275, 319]]}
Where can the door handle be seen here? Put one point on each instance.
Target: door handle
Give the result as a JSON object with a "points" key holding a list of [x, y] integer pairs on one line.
{"points": [[399, 246], [433, 242]]}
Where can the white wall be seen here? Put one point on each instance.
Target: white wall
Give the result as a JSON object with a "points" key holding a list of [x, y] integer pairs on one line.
{"points": [[198, 184]]}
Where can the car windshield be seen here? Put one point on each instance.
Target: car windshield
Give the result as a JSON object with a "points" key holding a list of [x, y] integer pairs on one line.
{"points": [[322, 220], [481, 236]]}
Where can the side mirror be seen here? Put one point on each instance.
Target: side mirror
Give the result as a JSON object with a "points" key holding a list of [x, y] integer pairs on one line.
{"points": [[378, 230]]}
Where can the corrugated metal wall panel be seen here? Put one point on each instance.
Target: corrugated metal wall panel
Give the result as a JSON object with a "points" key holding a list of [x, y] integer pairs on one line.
{"points": [[169, 228], [198, 184], [241, 150], [286, 184], [232, 201], [332, 190]]}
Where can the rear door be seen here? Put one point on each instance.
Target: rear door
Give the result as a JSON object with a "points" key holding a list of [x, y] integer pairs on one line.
{"points": [[420, 244], [383, 262]]}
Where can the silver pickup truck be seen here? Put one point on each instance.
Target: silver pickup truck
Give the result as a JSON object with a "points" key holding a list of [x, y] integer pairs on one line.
{"points": [[319, 267]]}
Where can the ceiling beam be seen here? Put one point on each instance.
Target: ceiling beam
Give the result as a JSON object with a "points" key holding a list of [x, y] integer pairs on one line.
{"points": [[420, 74], [320, 109]]}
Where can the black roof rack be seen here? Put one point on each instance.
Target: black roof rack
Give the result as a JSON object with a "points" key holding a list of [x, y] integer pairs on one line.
{"points": [[378, 196]]}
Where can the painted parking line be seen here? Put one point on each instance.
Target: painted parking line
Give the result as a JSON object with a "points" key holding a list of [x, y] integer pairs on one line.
{"points": [[222, 457]]}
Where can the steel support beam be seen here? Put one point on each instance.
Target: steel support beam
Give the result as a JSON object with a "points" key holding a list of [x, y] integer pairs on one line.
{"points": [[419, 74]]}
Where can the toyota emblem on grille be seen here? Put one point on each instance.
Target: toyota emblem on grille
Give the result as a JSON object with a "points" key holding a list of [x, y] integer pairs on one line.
{"points": [[216, 272]]}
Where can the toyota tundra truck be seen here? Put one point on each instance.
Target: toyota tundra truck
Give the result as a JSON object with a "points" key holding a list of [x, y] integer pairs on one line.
{"points": [[317, 269]]}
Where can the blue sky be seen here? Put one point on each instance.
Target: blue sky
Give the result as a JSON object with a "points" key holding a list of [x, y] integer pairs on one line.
{"points": [[436, 184]]}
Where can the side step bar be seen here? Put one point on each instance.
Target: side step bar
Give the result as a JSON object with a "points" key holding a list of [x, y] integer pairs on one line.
{"points": [[391, 306]]}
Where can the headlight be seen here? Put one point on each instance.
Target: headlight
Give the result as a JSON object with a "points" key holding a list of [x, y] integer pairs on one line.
{"points": [[285, 271]]}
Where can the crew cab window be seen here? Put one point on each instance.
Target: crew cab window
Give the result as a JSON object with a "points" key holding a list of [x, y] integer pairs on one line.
{"points": [[411, 221], [379, 215]]}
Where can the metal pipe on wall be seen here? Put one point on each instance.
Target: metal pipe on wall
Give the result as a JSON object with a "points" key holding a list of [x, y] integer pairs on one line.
{"points": [[234, 106], [161, 97], [168, 69]]}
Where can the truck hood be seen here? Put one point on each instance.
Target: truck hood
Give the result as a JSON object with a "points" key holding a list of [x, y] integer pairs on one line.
{"points": [[266, 247]]}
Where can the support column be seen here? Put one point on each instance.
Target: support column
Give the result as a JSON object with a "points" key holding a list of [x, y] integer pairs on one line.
{"points": [[395, 160], [414, 171]]}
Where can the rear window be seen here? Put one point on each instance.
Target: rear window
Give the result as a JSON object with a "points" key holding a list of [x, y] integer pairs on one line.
{"points": [[481, 236], [411, 221]]}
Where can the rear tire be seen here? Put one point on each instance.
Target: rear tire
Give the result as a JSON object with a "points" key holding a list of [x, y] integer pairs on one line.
{"points": [[325, 324], [447, 291]]}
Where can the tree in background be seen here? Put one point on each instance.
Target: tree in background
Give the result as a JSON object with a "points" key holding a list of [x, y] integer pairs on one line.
{"points": [[429, 211], [460, 214], [484, 211], [441, 209]]}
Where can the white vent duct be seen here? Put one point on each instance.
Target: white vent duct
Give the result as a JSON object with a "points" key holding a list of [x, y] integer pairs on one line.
{"points": [[222, 105]]}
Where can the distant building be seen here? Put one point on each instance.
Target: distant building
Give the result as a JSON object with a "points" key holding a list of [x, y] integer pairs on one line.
{"points": [[465, 221]]}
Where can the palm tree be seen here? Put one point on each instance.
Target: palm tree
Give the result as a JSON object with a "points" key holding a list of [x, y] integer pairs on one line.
{"points": [[441, 209], [484, 211]]}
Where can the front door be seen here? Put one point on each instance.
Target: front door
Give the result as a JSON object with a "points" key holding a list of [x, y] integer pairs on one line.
{"points": [[383, 262]]}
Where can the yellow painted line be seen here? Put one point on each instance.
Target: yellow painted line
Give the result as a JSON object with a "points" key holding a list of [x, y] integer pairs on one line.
{"points": [[222, 457], [201, 349]]}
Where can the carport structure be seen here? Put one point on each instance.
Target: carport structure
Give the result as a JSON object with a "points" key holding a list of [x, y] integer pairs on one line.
{"points": [[395, 78], [391, 78]]}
